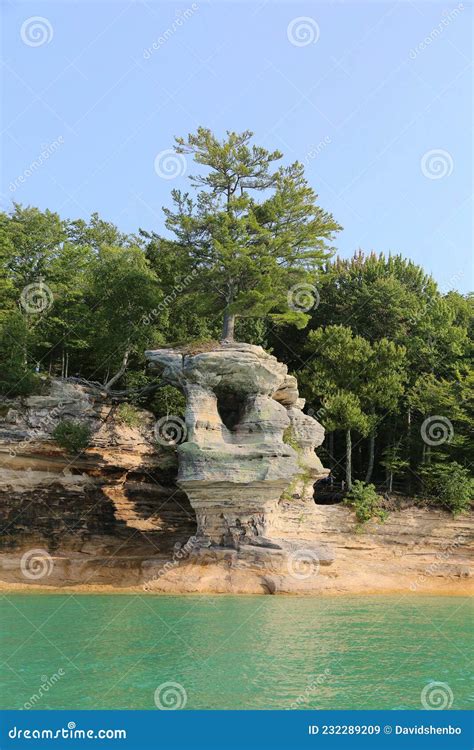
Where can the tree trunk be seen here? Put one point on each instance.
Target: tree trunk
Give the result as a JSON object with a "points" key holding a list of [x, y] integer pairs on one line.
{"points": [[390, 482], [120, 372], [348, 460], [409, 480], [370, 467], [228, 327], [331, 451]]}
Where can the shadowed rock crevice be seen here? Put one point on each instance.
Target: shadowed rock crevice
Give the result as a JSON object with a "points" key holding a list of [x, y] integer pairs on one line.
{"points": [[231, 407]]}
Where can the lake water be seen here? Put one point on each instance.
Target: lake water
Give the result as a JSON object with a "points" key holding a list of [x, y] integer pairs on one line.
{"points": [[229, 652]]}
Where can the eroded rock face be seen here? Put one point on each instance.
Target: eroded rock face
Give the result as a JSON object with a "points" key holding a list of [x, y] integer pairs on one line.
{"points": [[103, 516], [248, 442], [114, 516]]}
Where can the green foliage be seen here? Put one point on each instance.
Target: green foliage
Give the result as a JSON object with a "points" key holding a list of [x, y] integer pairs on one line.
{"points": [[16, 378], [365, 502], [394, 462], [383, 351], [450, 484], [290, 439], [129, 415], [247, 254], [355, 374], [73, 436], [342, 411], [168, 401]]}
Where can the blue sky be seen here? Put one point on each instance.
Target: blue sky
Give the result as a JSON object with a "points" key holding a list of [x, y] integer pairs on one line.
{"points": [[375, 98]]}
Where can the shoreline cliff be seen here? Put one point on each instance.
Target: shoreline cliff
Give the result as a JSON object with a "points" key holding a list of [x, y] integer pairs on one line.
{"points": [[228, 510]]}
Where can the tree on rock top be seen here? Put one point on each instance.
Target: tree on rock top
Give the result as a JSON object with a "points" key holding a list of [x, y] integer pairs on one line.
{"points": [[250, 232]]}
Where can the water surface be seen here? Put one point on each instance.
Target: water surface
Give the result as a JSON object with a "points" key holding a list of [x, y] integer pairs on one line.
{"points": [[229, 652]]}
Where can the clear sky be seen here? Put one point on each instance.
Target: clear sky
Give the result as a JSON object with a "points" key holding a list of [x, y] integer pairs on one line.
{"points": [[375, 98]]}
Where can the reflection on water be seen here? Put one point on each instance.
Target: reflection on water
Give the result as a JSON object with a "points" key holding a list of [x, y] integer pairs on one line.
{"points": [[234, 652]]}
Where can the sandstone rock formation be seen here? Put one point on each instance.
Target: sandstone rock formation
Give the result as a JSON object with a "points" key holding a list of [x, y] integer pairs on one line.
{"points": [[115, 518], [247, 444], [100, 516]]}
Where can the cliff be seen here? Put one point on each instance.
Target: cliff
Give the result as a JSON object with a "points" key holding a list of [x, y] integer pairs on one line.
{"points": [[226, 507], [100, 516]]}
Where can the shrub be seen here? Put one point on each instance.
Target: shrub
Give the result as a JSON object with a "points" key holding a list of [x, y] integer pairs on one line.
{"points": [[365, 502], [289, 438], [74, 437], [129, 415], [168, 400], [450, 485]]}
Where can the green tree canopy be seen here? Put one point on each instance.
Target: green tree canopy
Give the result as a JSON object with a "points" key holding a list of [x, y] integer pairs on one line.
{"points": [[248, 253]]}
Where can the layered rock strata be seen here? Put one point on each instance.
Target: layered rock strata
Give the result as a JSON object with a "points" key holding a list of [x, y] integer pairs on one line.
{"points": [[247, 444], [102, 517], [115, 518]]}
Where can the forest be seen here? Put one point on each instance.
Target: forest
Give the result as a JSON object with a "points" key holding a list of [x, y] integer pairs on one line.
{"points": [[383, 356]]}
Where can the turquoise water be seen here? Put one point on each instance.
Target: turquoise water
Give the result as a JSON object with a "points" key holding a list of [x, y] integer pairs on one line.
{"points": [[232, 652]]}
